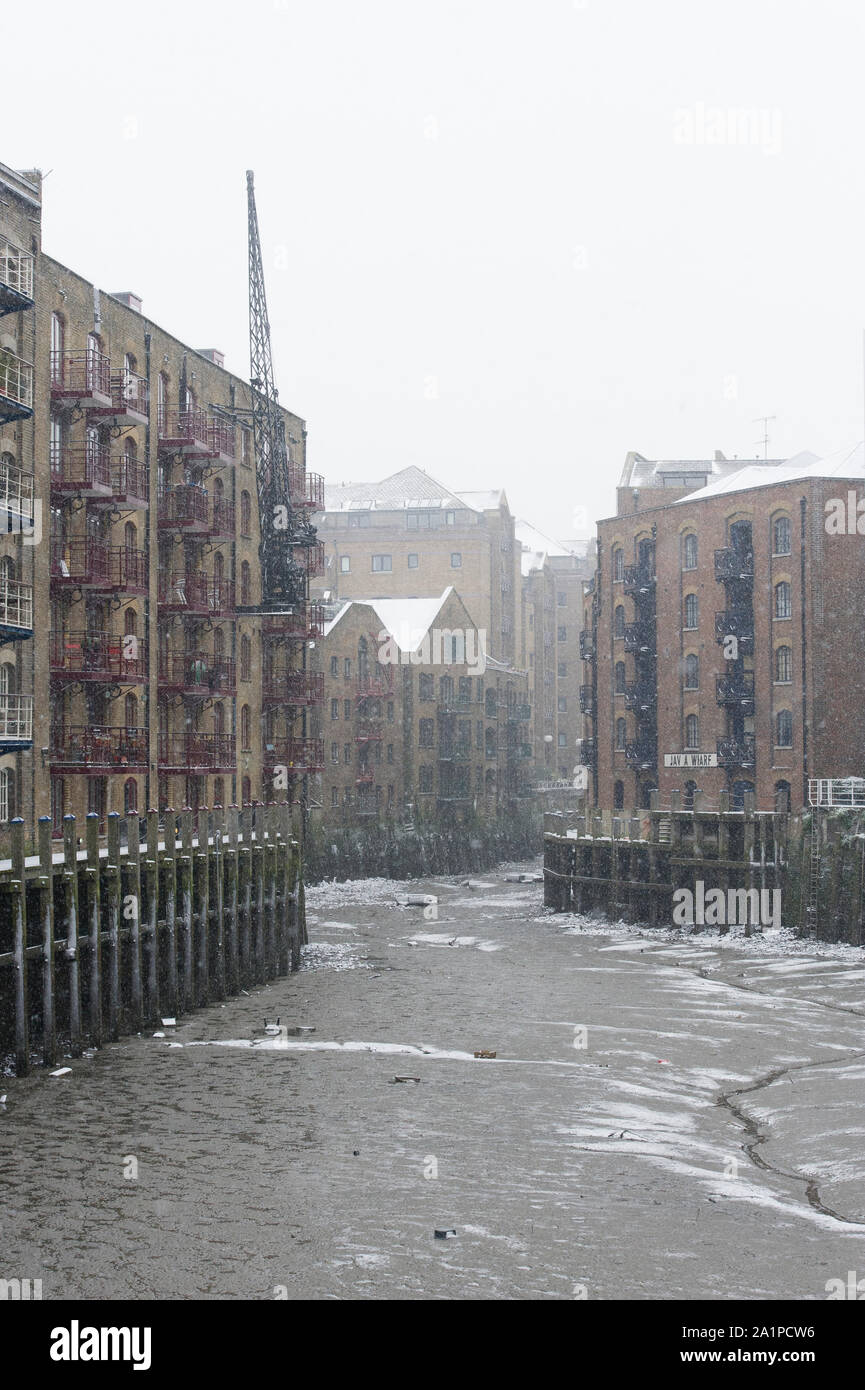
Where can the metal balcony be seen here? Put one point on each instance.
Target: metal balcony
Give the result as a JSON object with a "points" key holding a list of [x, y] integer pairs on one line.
{"points": [[640, 695], [98, 657], [184, 431], [365, 776], [197, 673], [587, 700], [638, 579], [371, 688], [130, 399], [88, 564], [737, 752], [738, 623], [587, 645], [185, 507], [737, 691], [184, 593], [97, 750], [311, 558], [222, 520], [640, 637], [81, 378], [519, 714], [588, 752], [307, 620], [16, 495], [81, 470], [16, 723], [196, 753], [221, 598], [456, 704], [297, 755], [220, 437], [16, 611], [292, 687], [731, 564], [16, 387], [130, 483], [454, 752], [16, 278], [643, 754], [305, 489]]}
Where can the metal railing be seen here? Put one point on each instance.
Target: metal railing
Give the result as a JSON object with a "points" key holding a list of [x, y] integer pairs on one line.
{"points": [[98, 656], [130, 392], [734, 564], [184, 429], [196, 752], [293, 687], [222, 519], [88, 563], [186, 505], [130, 480], [197, 672], [737, 752], [220, 437], [183, 592], [80, 468], [95, 749], [298, 755], [81, 374]]}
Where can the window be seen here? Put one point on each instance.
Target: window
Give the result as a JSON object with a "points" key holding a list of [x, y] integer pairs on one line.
{"points": [[245, 658], [620, 678], [563, 741], [246, 448], [334, 796], [619, 622], [346, 668], [782, 796], [621, 733], [618, 566], [412, 561], [426, 686], [334, 665], [245, 728], [562, 633], [358, 518], [781, 536], [390, 752], [245, 514], [563, 704], [7, 794], [426, 733], [130, 797], [692, 672], [245, 598], [218, 791], [692, 731], [783, 601], [450, 518], [246, 792], [130, 711], [334, 752], [689, 553], [783, 665], [456, 560], [562, 600], [334, 709], [346, 709], [345, 564], [382, 564], [783, 729], [691, 611], [618, 796], [425, 783], [346, 752], [390, 712], [562, 669]]}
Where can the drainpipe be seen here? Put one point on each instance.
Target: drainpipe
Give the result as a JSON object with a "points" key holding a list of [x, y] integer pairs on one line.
{"points": [[802, 505], [151, 762]]}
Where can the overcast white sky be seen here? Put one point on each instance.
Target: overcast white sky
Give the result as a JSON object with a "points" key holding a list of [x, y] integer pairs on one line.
{"points": [[505, 241]]}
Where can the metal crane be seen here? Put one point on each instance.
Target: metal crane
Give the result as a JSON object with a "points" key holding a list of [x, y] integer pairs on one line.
{"points": [[283, 527]]}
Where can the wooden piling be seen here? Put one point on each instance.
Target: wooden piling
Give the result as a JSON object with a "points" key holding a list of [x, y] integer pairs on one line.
{"points": [[73, 976], [46, 898], [94, 927], [18, 904], [112, 894]]}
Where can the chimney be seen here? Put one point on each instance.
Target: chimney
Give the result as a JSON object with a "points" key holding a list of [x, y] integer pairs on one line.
{"points": [[213, 355], [132, 301]]}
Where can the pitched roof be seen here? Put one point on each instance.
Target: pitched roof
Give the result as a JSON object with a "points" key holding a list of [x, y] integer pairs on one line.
{"points": [[844, 463], [410, 487], [407, 620]]}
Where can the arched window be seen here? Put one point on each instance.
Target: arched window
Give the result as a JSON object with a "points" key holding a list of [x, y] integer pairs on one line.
{"points": [[618, 796], [7, 794], [692, 672], [245, 728], [8, 571], [490, 743], [130, 797], [245, 658], [219, 719], [692, 731], [783, 665], [620, 678], [692, 611], [784, 729], [781, 536], [130, 712], [619, 622], [7, 678], [161, 399], [689, 552], [621, 733], [218, 642], [618, 565], [58, 338], [130, 621], [782, 797], [245, 514], [783, 602], [362, 659], [244, 584]]}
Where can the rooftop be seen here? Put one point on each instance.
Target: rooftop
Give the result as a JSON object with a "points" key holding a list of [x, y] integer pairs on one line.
{"points": [[844, 463]]}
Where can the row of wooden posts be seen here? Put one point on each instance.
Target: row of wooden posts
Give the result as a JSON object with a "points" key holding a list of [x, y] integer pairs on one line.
{"points": [[108, 939]]}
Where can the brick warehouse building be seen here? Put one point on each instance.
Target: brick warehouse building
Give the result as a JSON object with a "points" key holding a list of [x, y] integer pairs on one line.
{"points": [[415, 727], [720, 630], [152, 677]]}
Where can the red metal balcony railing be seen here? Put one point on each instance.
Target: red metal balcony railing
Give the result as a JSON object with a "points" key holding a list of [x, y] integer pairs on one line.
{"points": [[197, 673], [298, 755], [130, 399], [222, 519], [221, 598], [307, 620], [83, 470], [184, 430], [220, 435], [371, 687], [186, 506], [88, 564], [97, 656], [81, 376], [293, 687], [305, 489], [195, 752], [98, 749], [365, 776], [130, 482], [183, 592], [311, 557]]}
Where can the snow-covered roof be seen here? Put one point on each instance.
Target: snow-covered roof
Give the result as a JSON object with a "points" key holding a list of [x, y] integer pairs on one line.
{"points": [[535, 547], [407, 620], [484, 501], [639, 472], [844, 463], [410, 487]]}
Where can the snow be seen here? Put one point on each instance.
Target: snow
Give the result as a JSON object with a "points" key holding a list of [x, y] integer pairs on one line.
{"points": [[406, 620], [844, 463]]}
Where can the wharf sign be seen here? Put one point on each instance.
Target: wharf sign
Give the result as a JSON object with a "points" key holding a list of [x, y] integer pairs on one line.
{"points": [[690, 760]]}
